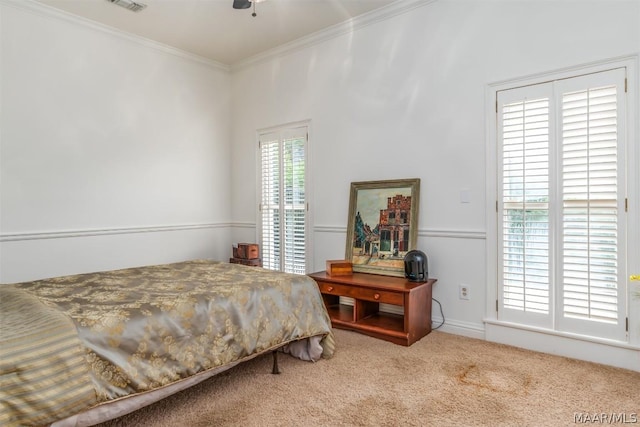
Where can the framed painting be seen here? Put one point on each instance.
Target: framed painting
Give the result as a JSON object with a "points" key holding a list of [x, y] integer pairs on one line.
{"points": [[382, 225]]}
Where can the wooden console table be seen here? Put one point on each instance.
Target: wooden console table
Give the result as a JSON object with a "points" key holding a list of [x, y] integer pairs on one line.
{"points": [[368, 291]]}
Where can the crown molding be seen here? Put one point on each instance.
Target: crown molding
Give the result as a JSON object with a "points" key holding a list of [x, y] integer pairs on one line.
{"points": [[45, 10], [396, 8]]}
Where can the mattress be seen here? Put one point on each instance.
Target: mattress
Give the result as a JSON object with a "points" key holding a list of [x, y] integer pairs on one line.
{"points": [[72, 344]]}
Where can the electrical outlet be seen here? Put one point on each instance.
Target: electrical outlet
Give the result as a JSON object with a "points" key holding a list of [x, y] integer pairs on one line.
{"points": [[463, 292]]}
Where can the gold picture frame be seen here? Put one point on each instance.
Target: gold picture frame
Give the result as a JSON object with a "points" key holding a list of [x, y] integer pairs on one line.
{"points": [[382, 225]]}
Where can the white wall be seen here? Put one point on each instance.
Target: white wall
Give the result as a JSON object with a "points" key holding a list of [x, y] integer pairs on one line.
{"points": [[405, 98], [113, 152]]}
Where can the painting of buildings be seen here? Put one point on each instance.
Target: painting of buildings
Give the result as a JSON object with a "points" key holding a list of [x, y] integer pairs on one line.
{"points": [[389, 238]]}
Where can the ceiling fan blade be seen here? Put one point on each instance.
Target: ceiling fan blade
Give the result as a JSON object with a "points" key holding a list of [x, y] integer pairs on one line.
{"points": [[241, 4]]}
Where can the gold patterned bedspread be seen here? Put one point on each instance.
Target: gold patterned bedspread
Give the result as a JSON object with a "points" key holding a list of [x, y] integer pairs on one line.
{"points": [[139, 329]]}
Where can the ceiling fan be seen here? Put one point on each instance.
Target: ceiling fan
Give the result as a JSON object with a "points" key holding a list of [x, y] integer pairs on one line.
{"points": [[241, 4], [246, 4]]}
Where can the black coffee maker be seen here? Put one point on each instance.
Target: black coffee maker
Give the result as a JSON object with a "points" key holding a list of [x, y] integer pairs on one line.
{"points": [[416, 267]]}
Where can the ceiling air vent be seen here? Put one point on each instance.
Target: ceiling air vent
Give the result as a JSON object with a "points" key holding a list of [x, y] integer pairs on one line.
{"points": [[129, 4]]}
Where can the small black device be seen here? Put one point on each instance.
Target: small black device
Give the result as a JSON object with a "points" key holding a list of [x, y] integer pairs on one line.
{"points": [[416, 267]]}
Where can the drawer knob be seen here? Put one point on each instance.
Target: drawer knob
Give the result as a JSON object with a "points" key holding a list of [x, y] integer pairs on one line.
{"points": [[376, 296], [330, 288]]}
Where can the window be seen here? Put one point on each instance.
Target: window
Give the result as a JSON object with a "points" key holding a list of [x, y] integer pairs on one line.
{"points": [[561, 204], [283, 205]]}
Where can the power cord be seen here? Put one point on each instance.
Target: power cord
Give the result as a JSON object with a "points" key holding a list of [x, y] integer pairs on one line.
{"points": [[441, 313]]}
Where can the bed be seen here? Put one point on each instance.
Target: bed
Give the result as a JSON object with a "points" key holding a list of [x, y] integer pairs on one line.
{"points": [[79, 350]]}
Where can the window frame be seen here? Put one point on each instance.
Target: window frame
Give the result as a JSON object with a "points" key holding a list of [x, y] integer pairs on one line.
{"points": [[305, 127], [630, 193]]}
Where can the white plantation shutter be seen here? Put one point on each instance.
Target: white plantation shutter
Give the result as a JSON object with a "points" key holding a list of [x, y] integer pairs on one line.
{"points": [[270, 204], [283, 199], [524, 126], [526, 205], [592, 298], [560, 205]]}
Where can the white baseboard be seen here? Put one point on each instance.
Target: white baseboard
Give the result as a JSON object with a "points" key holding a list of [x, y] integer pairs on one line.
{"points": [[620, 355], [456, 327]]}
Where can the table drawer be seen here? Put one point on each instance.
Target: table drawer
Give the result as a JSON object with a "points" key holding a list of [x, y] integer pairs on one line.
{"points": [[380, 296], [395, 298], [335, 289]]}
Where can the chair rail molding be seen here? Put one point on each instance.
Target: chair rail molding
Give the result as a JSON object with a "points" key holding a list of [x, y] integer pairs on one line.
{"points": [[42, 235], [425, 232]]}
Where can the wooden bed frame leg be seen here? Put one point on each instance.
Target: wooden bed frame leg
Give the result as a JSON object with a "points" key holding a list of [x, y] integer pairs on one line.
{"points": [[275, 369]]}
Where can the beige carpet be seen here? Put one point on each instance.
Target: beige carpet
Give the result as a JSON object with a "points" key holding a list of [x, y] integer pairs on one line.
{"points": [[442, 380]]}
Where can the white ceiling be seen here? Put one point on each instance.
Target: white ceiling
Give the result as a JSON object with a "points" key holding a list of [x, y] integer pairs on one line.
{"points": [[213, 29]]}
